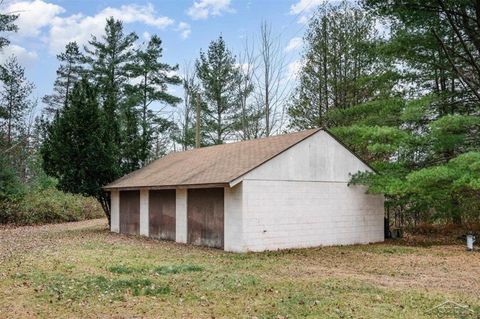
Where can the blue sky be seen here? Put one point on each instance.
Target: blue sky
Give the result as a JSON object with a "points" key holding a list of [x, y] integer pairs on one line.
{"points": [[185, 26]]}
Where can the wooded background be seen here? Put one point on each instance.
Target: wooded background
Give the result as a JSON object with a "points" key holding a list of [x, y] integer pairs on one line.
{"points": [[397, 81]]}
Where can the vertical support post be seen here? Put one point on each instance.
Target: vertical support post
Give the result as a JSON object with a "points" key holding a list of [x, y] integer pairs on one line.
{"points": [[181, 216], [197, 121], [115, 211], [144, 218]]}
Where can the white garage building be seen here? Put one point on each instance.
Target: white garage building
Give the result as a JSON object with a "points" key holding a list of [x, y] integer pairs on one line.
{"points": [[286, 191]]}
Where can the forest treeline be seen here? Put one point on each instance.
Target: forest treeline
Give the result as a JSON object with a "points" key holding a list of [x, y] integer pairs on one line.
{"points": [[397, 81]]}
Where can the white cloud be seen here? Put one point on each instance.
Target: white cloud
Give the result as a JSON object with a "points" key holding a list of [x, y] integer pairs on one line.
{"points": [[304, 19], [295, 67], [24, 56], [39, 18], [79, 27], [137, 13], [184, 29], [33, 15], [172, 73], [304, 8], [294, 44], [202, 9], [244, 67]]}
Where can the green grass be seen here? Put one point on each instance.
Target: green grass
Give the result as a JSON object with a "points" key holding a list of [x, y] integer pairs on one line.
{"points": [[176, 269], [61, 287], [91, 273], [394, 250], [160, 270]]}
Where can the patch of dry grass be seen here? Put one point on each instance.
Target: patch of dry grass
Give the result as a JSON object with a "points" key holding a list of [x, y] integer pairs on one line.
{"points": [[81, 270]]}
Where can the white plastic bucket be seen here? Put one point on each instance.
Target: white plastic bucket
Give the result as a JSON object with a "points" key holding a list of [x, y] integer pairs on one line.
{"points": [[470, 241]]}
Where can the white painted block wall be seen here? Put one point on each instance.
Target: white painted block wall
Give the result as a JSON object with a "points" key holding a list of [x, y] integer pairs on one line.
{"points": [[318, 158], [287, 214], [233, 222], [181, 216], [298, 199], [301, 198], [115, 211], [144, 218]]}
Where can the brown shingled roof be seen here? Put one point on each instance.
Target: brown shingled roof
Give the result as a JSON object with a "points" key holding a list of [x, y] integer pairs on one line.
{"points": [[219, 164]]}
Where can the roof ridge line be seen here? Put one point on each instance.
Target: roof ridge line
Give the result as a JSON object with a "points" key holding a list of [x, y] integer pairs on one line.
{"points": [[274, 145]]}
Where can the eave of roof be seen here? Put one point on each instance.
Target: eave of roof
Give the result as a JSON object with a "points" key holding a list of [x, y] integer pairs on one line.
{"points": [[177, 186], [226, 158], [232, 179]]}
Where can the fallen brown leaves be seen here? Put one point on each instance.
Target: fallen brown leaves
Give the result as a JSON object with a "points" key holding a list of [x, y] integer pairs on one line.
{"points": [[395, 278]]}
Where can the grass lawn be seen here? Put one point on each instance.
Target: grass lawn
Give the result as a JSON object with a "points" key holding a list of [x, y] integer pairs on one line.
{"points": [[80, 270]]}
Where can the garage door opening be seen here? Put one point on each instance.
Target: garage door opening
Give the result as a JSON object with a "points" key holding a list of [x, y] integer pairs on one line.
{"points": [[205, 217], [161, 212], [130, 212]]}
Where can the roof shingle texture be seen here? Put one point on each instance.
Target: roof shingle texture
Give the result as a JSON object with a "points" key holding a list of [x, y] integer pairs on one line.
{"points": [[219, 164]]}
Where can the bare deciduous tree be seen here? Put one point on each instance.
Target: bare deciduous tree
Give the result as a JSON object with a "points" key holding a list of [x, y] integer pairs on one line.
{"points": [[271, 79], [250, 116], [186, 112]]}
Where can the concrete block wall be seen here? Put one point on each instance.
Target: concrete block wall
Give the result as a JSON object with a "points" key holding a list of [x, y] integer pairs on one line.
{"points": [[317, 158], [181, 216], [144, 218], [233, 221], [297, 214], [115, 211]]}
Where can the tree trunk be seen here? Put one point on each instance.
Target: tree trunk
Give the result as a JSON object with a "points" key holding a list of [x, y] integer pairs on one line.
{"points": [[105, 200]]}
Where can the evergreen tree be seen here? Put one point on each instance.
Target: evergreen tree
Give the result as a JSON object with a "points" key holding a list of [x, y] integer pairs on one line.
{"points": [[154, 77], [70, 71], [428, 157], [7, 24], [219, 77], [131, 144], [14, 99], [341, 66], [10, 184], [109, 58], [76, 148], [14, 103]]}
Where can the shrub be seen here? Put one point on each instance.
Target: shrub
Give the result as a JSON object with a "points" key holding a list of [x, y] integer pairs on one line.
{"points": [[10, 184], [48, 206]]}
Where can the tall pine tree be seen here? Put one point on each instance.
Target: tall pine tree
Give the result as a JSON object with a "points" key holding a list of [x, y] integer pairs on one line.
{"points": [[70, 71], [154, 77], [10, 184], [341, 67], [219, 76], [7, 24], [14, 98], [109, 58], [437, 44]]}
